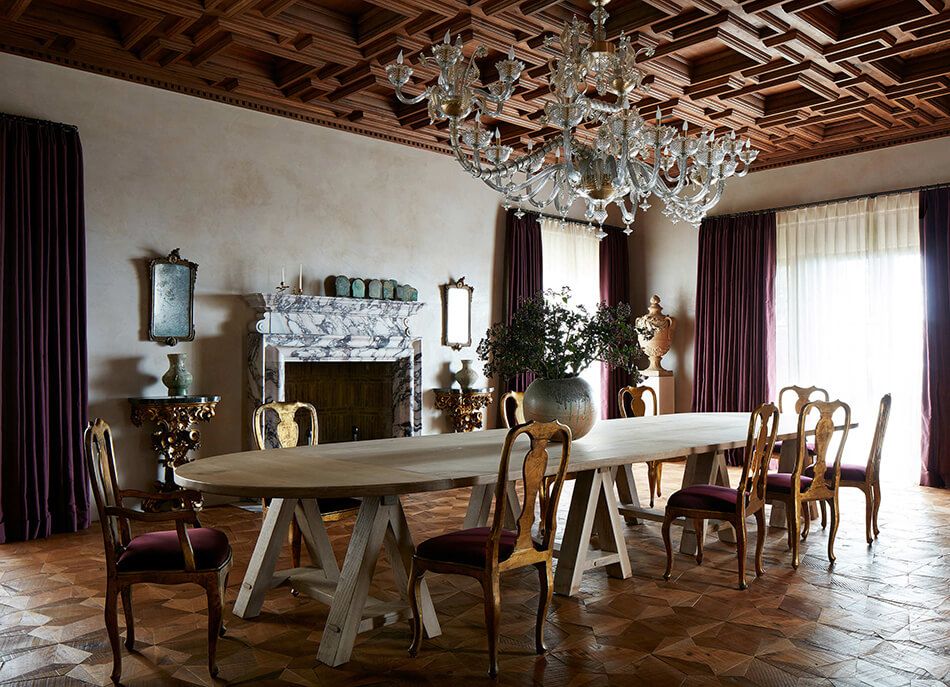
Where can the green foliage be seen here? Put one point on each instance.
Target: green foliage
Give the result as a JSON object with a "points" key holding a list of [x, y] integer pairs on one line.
{"points": [[553, 339]]}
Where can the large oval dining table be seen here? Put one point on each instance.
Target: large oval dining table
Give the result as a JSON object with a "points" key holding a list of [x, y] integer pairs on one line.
{"points": [[382, 471]]}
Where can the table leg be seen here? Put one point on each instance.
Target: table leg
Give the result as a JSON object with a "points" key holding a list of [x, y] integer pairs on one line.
{"points": [[379, 519], [314, 534], [627, 490], [480, 503], [701, 468], [726, 531], [260, 570], [588, 503], [786, 463], [479, 506]]}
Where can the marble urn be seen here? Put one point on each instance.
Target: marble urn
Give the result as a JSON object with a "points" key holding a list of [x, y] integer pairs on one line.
{"points": [[659, 345]]}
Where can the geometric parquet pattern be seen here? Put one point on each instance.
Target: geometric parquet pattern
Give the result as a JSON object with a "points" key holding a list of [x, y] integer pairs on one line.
{"points": [[881, 617], [804, 79]]}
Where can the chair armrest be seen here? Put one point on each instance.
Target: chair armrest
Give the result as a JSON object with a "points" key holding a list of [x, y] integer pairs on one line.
{"points": [[187, 515], [188, 497]]}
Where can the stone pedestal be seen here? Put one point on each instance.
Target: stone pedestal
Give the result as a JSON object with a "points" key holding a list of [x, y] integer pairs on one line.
{"points": [[662, 383]]}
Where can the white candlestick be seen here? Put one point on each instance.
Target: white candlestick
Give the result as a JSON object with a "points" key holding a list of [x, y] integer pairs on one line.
{"points": [[300, 279], [281, 275]]}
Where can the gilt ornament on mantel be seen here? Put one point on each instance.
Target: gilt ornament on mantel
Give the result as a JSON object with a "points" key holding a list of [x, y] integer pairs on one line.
{"points": [[662, 339]]}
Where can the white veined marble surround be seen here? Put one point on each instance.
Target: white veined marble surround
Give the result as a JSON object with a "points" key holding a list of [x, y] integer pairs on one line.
{"points": [[292, 329]]}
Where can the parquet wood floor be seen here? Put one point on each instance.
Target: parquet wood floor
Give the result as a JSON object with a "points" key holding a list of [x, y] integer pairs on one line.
{"points": [[881, 617]]}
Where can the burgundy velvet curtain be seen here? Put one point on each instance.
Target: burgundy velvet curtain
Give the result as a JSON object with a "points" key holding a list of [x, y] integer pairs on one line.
{"points": [[43, 482], [733, 368], [614, 289], [522, 273], [935, 257]]}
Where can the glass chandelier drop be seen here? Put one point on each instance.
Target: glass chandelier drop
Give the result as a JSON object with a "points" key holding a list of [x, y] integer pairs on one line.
{"points": [[619, 158]]}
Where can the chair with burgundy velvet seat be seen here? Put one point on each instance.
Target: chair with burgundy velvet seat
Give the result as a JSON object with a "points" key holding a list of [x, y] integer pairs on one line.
{"points": [[823, 484], [713, 502], [287, 435], [486, 552], [199, 556], [631, 404], [866, 477], [803, 394], [512, 409]]}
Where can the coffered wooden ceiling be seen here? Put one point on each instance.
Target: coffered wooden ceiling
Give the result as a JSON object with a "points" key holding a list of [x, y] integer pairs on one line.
{"points": [[804, 78]]}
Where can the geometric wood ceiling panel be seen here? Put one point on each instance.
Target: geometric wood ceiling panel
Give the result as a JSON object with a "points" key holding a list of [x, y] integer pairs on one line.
{"points": [[804, 79]]}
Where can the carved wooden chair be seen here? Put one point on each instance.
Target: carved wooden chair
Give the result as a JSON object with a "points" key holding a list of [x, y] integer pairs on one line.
{"points": [[486, 552], [865, 477], [709, 501], [795, 489], [287, 435], [512, 409], [199, 556], [632, 404], [803, 394]]}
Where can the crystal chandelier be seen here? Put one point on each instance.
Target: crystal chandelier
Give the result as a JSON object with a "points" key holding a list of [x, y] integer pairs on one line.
{"points": [[619, 158]]}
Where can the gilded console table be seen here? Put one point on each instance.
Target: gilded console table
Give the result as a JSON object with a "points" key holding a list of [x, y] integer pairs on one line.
{"points": [[464, 406], [175, 436]]}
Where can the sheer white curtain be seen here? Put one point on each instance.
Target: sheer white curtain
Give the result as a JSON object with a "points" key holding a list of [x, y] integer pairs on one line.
{"points": [[570, 255], [849, 315]]}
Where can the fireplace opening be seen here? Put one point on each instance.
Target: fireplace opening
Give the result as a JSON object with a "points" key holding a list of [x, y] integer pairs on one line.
{"points": [[354, 400]]}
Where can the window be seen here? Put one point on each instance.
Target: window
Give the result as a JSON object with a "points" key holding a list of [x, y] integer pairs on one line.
{"points": [[849, 316], [570, 254]]}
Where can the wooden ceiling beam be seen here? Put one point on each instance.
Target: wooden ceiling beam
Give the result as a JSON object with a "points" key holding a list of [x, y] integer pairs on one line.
{"points": [[800, 77]]}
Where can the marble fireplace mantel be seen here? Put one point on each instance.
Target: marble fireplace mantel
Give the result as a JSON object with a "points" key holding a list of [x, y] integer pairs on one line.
{"points": [[291, 329]]}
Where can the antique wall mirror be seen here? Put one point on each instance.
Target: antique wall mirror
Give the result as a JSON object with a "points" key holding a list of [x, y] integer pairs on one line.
{"points": [[457, 314], [172, 303]]}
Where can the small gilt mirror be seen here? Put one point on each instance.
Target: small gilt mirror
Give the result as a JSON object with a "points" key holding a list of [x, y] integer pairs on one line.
{"points": [[172, 302], [457, 314]]}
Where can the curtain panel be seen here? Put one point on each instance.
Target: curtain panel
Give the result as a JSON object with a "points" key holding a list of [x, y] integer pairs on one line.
{"points": [[571, 256], [935, 266], [523, 273], [849, 312], [733, 368], [43, 480], [614, 289]]}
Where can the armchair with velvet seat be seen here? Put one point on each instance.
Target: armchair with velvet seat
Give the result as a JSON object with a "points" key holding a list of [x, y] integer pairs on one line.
{"points": [[201, 555], [486, 552], [796, 489], [710, 501]]}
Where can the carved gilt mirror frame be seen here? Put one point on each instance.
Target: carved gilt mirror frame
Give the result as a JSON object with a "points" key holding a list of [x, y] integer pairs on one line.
{"points": [[457, 314], [172, 299]]}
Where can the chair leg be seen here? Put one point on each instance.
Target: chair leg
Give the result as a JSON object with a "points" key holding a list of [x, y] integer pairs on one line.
{"points": [[492, 591], [700, 526], [214, 626], [868, 513], [741, 536], [129, 622], [877, 505], [112, 626], [546, 578], [824, 514], [415, 582], [806, 524], [652, 479], [795, 527], [789, 523], [222, 590], [667, 522], [759, 540], [659, 478], [295, 542], [835, 519]]}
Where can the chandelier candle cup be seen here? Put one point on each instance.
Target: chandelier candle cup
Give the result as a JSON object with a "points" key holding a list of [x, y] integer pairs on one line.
{"points": [[629, 161]]}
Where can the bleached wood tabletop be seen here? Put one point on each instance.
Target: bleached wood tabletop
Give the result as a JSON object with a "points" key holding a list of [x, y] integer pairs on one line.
{"points": [[380, 471]]}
